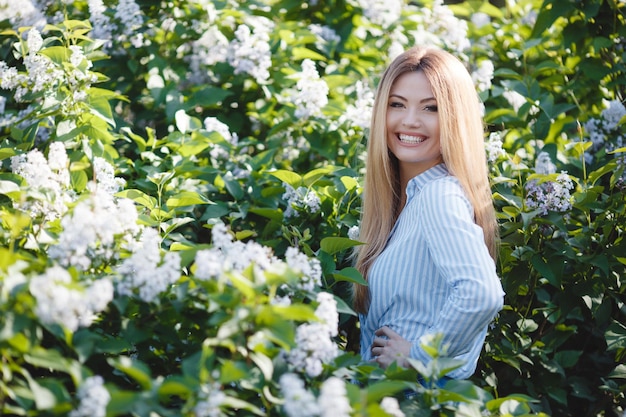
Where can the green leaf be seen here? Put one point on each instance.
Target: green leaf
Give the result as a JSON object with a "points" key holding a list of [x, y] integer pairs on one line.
{"points": [[58, 54], [234, 187], [79, 180], [378, 390], [333, 244], [9, 188], [615, 336], [232, 371], [299, 53], [138, 371], [349, 274], [311, 177], [288, 177], [187, 198], [544, 270], [272, 214], [7, 153], [139, 197]]}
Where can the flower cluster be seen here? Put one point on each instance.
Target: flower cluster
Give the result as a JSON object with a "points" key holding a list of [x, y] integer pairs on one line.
{"points": [[360, 113], [300, 199], [483, 75], [382, 12], [605, 131], [390, 406], [61, 301], [250, 51], [213, 124], [146, 271], [493, 146], [103, 27], [130, 17], [311, 93], [227, 255], [301, 402], [43, 78], [439, 26], [22, 13], [324, 34], [94, 398], [88, 240], [47, 182], [310, 269], [548, 195], [211, 398], [314, 341]]}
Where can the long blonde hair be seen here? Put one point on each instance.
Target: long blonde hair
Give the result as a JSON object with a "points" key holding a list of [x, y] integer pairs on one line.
{"points": [[462, 149]]}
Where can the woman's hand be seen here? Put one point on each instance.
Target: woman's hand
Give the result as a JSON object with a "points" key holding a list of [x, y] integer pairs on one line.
{"points": [[389, 347]]}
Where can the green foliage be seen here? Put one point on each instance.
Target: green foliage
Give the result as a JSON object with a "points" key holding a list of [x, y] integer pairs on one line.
{"points": [[200, 142]]}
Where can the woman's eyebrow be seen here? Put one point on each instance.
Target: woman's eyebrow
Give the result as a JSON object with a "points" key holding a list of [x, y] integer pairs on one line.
{"points": [[424, 100]]}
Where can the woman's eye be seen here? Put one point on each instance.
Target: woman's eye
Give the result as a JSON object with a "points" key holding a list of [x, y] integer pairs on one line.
{"points": [[395, 104], [431, 108]]}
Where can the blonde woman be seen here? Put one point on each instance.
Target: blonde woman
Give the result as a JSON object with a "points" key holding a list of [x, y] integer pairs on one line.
{"points": [[428, 219]]}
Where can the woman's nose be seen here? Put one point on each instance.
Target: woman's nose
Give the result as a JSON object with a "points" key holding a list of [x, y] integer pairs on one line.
{"points": [[411, 120]]}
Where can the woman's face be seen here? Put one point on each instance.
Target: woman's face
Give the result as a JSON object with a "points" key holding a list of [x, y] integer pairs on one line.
{"points": [[413, 124]]}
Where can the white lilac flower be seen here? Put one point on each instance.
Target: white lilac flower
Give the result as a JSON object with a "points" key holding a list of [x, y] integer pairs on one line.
{"points": [[227, 255], [439, 26], [213, 124], [210, 49], [544, 165], [104, 176], [300, 199], [211, 398], [613, 114], [130, 16], [353, 233], [333, 400], [48, 182], [209, 264], [326, 312], [483, 75], [93, 397], [314, 341], [391, 406], [360, 113], [22, 13], [250, 51], [605, 131], [311, 93], [34, 41], [480, 19], [324, 33], [88, 237], [102, 25], [146, 271], [62, 302], [550, 195], [299, 402], [42, 74], [382, 12], [493, 146], [515, 99], [310, 268]]}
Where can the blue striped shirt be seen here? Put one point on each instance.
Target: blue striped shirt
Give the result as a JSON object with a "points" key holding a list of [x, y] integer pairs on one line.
{"points": [[435, 274]]}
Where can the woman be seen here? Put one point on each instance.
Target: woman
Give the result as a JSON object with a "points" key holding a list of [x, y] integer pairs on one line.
{"points": [[428, 219]]}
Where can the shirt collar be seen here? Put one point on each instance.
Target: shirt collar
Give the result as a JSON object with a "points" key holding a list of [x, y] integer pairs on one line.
{"points": [[418, 182]]}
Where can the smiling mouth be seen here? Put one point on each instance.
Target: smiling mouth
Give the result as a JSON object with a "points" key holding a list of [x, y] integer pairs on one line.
{"points": [[411, 139]]}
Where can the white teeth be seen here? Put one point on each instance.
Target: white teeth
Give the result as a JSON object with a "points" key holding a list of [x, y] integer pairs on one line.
{"points": [[411, 139]]}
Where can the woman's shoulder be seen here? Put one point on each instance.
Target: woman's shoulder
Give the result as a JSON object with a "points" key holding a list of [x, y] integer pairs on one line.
{"points": [[443, 194]]}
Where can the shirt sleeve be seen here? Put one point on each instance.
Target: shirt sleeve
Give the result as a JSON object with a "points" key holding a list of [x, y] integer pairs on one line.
{"points": [[457, 247]]}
